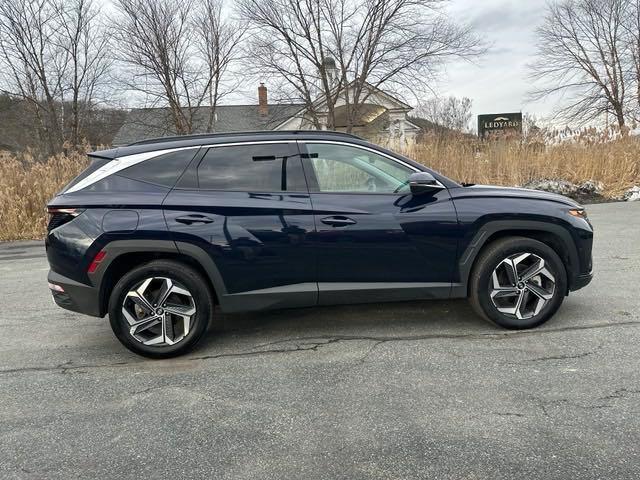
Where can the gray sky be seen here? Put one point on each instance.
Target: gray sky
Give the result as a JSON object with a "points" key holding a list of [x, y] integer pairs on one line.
{"points": [[498, 82]]}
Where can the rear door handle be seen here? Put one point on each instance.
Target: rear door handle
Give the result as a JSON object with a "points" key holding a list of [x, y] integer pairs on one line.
{"points": [[195, 218], [338, 221]]}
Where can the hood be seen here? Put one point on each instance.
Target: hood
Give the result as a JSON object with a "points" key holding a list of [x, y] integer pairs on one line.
{"points": [[512, 192]]}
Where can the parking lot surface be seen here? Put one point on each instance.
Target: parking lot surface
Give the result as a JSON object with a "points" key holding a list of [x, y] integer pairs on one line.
{"points": [[412, 390]]}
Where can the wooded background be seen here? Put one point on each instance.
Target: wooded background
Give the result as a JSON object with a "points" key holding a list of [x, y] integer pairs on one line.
{"points": [[69, 69]]}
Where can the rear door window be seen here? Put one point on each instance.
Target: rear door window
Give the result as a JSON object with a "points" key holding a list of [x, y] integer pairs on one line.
{"points": [[252, 168]]}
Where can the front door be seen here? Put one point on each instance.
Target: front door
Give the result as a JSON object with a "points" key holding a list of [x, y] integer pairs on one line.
{"points": [[374, 239], [248, 207]]}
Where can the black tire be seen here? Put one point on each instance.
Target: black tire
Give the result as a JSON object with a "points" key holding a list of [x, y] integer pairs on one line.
{"points": [[180, 274], [481, 282]]}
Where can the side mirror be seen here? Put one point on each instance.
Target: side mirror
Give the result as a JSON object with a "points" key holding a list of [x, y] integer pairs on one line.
{"points": [[423, 182]]}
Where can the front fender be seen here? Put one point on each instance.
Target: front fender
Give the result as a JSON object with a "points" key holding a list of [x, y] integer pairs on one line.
{"points": [[490, 228]]}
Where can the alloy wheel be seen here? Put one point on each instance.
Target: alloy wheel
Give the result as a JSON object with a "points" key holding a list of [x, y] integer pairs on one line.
{"points": [[159, 311], [521, 285]]}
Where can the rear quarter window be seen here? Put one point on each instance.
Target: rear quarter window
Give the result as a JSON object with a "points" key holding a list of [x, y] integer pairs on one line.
{"points": [[96, 163], [162, 170]]}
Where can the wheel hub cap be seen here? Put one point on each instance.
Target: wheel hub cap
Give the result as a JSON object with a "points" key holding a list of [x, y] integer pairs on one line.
{"points": [[521, 285], [159, 326]]}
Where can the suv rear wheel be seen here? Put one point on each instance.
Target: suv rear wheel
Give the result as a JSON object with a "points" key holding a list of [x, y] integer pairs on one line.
{"points": [[518, 283], [160, 309]]}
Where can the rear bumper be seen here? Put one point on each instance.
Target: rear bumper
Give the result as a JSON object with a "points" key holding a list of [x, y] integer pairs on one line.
{"points": [[76, 296], [581, 281]]}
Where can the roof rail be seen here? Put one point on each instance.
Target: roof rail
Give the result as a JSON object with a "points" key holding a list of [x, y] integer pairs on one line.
{"points": [[177, 138]]}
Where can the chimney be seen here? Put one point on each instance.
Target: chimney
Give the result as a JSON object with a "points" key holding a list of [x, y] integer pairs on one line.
{"points": [[263, 107]]}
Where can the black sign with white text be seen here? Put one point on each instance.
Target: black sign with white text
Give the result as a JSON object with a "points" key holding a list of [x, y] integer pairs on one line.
{"points": [[499, 124]]}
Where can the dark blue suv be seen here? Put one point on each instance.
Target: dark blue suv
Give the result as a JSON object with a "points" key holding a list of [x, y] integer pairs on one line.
{"points": [[156, 234]]}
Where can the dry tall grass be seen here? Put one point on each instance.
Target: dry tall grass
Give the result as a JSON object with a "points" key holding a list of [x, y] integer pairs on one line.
{"points": [[27, 184], [616, 164]]}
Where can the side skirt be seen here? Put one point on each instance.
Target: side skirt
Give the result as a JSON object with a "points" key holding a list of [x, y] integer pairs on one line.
{"points": [[373, 292], [335, 293], [288, 296]]}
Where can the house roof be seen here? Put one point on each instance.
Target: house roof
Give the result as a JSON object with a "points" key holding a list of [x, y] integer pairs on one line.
{"points": [[377, 98], [156, 122], [144, 123], [391, 100], [427, 126], [424, 124]]}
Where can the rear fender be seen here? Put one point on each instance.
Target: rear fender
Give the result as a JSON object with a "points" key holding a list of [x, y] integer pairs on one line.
{"points": [[118, 248]]}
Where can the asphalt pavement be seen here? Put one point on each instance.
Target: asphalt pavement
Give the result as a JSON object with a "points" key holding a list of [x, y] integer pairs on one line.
{"points": [[397, 391]]}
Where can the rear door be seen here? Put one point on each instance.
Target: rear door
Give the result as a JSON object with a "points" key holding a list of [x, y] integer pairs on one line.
{"points": [[376, 241], [247, 206]]}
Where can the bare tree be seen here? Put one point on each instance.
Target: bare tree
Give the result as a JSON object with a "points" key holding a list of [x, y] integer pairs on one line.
{"points": [[217, 42], [33, 62], [85, 45], [335, 49], [631, 35], [178, 54], [582, 55], [49, 49], [152, 39], [451, 113]]}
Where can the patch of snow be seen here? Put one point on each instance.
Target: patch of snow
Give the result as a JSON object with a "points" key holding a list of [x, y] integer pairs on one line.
{"points": [[632, 195], [562, 187], [591, 187]]}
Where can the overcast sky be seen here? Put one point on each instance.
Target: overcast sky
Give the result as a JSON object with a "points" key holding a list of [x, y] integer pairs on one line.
{"points": [[498, 82]]}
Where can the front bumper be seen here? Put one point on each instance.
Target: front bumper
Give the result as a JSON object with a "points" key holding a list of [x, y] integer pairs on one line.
{"points": [[76, 296], [581, 281]]}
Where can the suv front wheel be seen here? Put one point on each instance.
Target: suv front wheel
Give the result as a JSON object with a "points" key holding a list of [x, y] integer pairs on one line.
{"points": [[160, 309], [518, 283]]}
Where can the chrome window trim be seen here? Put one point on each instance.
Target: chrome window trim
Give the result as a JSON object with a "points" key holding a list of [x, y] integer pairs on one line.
{"points": [[257, 142], [362, 147], [118, 164], [373, 150]]}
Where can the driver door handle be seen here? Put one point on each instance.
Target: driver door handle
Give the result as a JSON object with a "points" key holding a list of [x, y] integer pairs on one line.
{"points": [[338, 221], [191, 219]]}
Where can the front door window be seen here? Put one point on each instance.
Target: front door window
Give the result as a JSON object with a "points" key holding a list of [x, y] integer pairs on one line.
{"points": [[345, 169]]}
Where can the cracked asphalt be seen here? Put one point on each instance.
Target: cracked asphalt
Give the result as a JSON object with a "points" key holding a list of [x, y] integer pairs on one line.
{"points": [[412, 390]]}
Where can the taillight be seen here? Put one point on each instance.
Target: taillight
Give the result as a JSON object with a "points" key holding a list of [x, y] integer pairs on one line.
{"points": [[60, 216], [95, 263]]}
